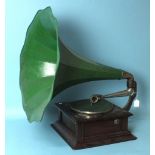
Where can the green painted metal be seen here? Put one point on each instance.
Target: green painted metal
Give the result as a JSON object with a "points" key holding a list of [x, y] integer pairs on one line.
{"points": [[47, 67], [39, 60], [74, 69]]}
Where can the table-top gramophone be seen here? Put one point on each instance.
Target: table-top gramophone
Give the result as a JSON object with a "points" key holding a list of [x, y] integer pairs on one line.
{"points": [[47, 67]]}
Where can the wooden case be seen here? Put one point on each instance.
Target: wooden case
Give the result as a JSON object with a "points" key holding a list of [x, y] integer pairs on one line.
{"points": [[82, 131]]}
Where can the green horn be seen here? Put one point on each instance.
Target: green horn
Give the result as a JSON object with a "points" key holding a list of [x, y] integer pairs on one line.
{"points": [[47, 67]]}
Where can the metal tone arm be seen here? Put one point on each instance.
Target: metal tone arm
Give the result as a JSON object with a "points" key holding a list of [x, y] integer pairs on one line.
{"points": [[131, 91]]}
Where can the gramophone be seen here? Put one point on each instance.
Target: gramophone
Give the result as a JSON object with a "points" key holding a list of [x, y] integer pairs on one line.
{"points": [[48, 67]]}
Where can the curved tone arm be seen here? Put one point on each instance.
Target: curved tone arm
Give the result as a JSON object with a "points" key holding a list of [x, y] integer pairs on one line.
{"points": [[131, 91]]}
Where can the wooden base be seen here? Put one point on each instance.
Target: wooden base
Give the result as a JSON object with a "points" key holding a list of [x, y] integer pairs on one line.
{"points": [[92, 141], [81, 131]]}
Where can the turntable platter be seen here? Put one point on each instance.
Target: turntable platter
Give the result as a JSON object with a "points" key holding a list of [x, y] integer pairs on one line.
{"points": [[84, 106]]}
